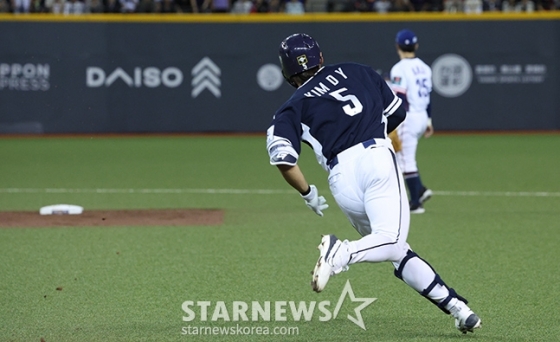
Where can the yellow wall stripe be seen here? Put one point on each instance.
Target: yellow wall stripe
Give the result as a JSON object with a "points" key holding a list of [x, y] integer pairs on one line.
{"points": [[278, 18]]}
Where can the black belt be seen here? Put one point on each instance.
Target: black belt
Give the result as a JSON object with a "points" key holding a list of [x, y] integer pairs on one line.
{"points": [[333, 162]]}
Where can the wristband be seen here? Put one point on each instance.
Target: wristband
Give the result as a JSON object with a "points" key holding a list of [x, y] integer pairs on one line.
{"points": [[307, 191]]}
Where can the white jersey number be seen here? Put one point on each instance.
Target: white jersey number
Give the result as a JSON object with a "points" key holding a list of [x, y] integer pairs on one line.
{"points": [[355, 108]]}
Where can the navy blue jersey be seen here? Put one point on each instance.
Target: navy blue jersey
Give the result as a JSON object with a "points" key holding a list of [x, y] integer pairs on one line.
{"points": [[341, 106]]}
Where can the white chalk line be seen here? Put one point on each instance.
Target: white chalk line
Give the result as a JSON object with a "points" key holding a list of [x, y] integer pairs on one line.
{"points": [[146, 191], [251, 192]]}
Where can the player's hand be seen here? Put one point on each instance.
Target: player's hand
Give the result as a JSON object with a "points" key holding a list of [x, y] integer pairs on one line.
{"points": [[314, 201], [429, 131]]}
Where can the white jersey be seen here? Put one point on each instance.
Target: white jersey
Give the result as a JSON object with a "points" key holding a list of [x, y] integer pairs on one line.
{"points": [[413, 77]]}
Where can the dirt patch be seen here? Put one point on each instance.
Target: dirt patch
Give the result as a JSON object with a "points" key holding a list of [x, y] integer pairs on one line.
{"points": [[93, 218]]}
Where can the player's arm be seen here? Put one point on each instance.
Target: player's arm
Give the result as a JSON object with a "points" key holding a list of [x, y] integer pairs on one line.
{"points": [[404, 99], [430, 128], [394, 108], [399, 85], [309, 193], [284, 156], [395, 119], [293, 176], [286, 162]]}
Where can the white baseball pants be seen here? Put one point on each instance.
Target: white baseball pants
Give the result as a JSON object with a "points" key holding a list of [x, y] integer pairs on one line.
{"points": [[369, 188], [409, 132]]}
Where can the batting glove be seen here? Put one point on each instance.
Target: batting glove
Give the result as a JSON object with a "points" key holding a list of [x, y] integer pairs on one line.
{"points": [[314, 201]]}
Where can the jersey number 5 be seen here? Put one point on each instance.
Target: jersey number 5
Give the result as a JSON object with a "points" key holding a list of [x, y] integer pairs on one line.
{"points": [[350, 109]]}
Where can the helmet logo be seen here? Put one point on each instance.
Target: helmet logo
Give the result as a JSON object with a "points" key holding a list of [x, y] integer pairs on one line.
{"points": [[302, 60]]}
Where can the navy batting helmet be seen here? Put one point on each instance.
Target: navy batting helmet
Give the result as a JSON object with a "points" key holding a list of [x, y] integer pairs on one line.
{"points": [[298, 53]]}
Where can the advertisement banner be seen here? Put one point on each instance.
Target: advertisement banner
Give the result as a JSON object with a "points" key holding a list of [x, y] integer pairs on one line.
{"points": [[173, 77]]}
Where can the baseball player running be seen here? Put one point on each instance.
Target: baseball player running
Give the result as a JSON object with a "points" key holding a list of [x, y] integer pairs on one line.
{"points": [[344, 111], [411, 80]]}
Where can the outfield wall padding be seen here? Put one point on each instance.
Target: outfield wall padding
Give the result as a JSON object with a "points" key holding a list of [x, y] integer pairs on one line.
{"points": [[198, 76]]}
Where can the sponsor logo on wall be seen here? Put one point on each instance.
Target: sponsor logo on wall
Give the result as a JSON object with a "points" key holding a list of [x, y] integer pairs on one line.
{"points": [[24, 77], [510, 73], [451, 75], [269, 77], [206, 76], [138, 77]]}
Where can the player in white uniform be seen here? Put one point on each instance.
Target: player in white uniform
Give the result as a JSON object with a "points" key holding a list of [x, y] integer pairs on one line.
{"points": [[411, 79], [344, 112]]}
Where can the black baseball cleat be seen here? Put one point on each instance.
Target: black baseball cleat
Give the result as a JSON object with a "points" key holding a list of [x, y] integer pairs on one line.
{"points": [[465, 319], [331, 261], [417, 209], [425, 195], [472, 322]]}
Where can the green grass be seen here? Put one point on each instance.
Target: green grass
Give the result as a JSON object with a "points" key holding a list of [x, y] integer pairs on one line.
{"points": [[128, 283]]}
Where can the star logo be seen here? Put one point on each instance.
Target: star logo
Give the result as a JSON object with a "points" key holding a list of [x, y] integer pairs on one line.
{"points": [[347, 290], [302, 60]]}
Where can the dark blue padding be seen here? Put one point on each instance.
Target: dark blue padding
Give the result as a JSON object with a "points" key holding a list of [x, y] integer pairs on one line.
{"points": [[437, 280], [409, 255]]}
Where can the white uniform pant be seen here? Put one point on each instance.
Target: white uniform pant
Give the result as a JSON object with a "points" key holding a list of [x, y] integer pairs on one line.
{"points": [[369, 188], [409, 132]]}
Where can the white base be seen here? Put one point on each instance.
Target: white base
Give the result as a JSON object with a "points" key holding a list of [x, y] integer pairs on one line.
{"points": [[61, 209]]}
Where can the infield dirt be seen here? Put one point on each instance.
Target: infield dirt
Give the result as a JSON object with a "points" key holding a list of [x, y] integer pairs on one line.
{"points": [[94, 218]]}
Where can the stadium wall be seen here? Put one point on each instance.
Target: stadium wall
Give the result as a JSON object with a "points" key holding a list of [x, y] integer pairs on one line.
{"points": [[220, 73]]}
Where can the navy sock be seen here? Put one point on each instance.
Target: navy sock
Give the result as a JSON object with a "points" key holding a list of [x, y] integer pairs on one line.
{"points": [[414, 187]]}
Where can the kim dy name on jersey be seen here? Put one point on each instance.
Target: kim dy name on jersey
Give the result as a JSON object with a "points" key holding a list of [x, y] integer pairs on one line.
{"points": [[338, 99]]}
